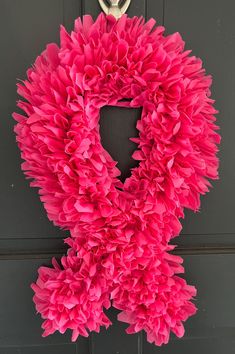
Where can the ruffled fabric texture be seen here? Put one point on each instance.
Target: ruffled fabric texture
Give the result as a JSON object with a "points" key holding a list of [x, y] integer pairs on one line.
{"points": [[119, 252]]}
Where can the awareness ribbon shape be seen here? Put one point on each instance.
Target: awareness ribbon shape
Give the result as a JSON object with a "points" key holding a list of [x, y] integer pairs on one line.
{"points": [[120, 233]]}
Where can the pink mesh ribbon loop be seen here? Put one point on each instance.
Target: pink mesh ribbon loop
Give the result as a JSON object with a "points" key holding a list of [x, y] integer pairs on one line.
{"points": [[119, 252]]}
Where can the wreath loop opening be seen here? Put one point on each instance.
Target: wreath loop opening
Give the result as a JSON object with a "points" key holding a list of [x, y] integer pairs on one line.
{"points": [[117, 126]]}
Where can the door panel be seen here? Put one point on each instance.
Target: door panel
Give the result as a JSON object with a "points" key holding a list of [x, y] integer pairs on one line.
{"points": [[213, 275], [26, 27], [28, 239], [208, 28]]}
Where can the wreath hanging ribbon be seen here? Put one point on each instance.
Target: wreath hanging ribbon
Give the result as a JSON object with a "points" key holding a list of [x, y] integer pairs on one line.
{"points": [[119, 232]]}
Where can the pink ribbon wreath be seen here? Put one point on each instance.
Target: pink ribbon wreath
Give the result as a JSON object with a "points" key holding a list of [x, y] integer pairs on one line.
{"points": [[119, 232]]}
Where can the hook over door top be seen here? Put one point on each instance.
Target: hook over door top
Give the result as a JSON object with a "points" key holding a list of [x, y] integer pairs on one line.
{"points": [[115, 9]]}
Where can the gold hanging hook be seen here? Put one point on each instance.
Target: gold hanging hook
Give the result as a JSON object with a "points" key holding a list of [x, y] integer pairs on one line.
{"points": [[115, 9]]}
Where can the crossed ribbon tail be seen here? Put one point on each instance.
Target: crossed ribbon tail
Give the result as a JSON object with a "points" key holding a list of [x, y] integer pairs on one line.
{"points": [[149, 293]]}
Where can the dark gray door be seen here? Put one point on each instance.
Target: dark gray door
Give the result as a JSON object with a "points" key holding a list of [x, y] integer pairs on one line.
{"points": [[28, 240]]}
